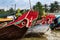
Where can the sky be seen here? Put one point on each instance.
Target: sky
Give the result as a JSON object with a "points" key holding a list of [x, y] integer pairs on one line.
{"points": [[22, 4]]}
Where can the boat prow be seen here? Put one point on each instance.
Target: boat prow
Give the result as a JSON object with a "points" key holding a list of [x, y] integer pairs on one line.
{"points": [[18, 28]]}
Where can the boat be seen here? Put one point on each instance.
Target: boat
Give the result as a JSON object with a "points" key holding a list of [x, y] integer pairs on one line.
{"points": [[56, 24], [6, 17], [18, 27]]}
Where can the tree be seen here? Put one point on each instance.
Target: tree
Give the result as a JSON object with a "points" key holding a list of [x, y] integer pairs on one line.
{"points": [[2, 11], [39, 8], [54, 7], [46, 8], [11, 10]]}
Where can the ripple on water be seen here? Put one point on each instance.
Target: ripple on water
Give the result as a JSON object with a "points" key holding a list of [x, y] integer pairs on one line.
{"points": [[52, 35]]}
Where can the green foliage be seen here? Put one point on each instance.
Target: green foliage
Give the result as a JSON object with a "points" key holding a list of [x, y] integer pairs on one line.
{"points": [[46, 8], [23, 11], [6, 13], [11, 10], [39, 8], [54, 7]]}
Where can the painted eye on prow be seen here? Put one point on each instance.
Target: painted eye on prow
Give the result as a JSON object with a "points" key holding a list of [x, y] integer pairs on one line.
{"points": [[23, 23]]}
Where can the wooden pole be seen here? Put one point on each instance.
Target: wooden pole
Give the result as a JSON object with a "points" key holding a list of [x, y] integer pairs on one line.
{"points": [[30, 4]]}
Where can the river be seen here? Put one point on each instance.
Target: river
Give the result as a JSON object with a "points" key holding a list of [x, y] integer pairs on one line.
{"points": [[48, 34]]}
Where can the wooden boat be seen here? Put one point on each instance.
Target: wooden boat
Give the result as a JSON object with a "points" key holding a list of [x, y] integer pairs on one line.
{"points": [[5, 19], [18, 28]]}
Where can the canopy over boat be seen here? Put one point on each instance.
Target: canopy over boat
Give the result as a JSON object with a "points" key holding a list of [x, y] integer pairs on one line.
{"points": [[3, 15]]}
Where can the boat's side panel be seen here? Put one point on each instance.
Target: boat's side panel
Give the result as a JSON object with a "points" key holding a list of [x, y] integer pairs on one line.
{"points": [[12, 32]]}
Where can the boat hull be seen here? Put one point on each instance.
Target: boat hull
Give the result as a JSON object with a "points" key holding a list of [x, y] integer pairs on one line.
{"points": [[12, 32]]}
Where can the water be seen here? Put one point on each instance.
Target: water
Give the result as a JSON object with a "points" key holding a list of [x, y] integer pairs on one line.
{"points": [[50, 35], [39, 29]]}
